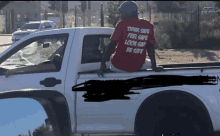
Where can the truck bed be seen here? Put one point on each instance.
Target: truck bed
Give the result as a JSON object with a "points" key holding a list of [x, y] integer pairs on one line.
{"points": [[168, 67]]}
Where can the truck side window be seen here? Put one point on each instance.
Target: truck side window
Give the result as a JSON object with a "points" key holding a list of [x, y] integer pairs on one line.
{"points": [[92, 48], [47, 25], [39, 51]]}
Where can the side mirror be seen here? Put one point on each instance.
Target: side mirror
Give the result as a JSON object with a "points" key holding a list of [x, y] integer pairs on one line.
{"points": [[46, 45]]}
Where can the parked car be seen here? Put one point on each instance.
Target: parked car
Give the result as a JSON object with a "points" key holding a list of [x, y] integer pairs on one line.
{"points": [[30, 27]]}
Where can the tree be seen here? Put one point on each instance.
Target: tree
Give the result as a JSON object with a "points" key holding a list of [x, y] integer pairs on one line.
{"points": [[3, 4], [168, 6], [52, 5], [64, 6], [45, 14], [141, 9], [56, 5], [113, 15], [43, 131], [217, 5], [203, 4], [22, 135], [181, 3], [83, 8], [29, 132]]}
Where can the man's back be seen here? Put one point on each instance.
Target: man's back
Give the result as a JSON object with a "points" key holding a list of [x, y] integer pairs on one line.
{"points": [[132, 36]]}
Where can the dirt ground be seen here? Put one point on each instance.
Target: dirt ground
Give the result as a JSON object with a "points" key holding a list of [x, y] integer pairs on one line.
{"points": [[182, 56]]}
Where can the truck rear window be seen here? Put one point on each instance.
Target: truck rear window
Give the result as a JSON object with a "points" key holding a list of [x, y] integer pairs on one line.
{"points": [[93, 45]]}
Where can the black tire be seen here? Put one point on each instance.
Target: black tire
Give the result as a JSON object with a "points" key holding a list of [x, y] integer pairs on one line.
{"points": [[169, 122]]}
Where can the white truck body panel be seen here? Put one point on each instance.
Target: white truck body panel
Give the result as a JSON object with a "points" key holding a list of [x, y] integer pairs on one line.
{"points": [[128, 108]]}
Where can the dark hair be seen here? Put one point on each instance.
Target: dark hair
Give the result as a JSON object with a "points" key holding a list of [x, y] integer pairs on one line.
{"points": [[124, 16]]}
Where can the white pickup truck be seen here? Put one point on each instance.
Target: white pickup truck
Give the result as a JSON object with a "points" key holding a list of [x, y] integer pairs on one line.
{"points": [[167, 102]]}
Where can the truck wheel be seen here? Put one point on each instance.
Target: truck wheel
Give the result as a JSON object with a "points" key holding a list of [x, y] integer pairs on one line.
{"points": [[176, 123]]}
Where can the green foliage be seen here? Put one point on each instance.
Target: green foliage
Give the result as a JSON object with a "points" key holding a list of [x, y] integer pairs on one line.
{"points": [[168, 7], [52, 5], [89, 5], [210, 29], [43, 131], [181, 3], [83, 6], [64, 6], [177, 34], [217, 4], [22, 135], [113, 15]]}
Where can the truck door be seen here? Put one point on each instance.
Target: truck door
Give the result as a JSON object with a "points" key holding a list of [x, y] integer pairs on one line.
{"points": [[105, 116], [41, 68]]}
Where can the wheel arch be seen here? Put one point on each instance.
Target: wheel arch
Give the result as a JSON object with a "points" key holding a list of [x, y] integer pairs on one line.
{"points": [[53, 103], [165, 95]]}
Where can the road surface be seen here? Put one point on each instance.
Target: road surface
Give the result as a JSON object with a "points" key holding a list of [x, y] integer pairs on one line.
{"points": [[5, 40]]}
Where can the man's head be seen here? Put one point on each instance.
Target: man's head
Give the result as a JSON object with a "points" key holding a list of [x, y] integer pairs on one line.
{"points": [[128, 9]]}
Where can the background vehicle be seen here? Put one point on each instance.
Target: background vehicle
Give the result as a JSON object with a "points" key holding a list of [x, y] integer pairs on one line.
{"points": [[207, 10], [32, 26], [54, 17], [74, 58]]}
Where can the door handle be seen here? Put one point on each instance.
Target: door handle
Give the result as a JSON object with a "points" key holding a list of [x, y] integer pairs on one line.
{"points": [[50, 82]]}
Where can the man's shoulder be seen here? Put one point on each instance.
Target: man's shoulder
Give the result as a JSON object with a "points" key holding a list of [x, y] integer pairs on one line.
{"points": [[145, 21], [148, 22], [119, 22]]}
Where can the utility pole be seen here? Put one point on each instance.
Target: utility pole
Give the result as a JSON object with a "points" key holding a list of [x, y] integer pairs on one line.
{"points": [[83, 8], [12, 20], [65, 10], [45, 15], [198, 24], [75, 16], [6, 22], [89, 13], [150, 12], [114, 22], [147, 6], [63, 20], [102, 16], [61, 14], [191, 12], [9, 20]]}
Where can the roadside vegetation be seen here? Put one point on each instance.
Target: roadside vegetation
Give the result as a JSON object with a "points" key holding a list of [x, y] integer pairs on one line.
{"points": [[42, 130], [177, 34]]}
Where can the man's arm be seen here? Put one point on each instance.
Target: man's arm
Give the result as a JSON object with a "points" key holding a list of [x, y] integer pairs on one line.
{"points": [[108, 51], [151, 53]]}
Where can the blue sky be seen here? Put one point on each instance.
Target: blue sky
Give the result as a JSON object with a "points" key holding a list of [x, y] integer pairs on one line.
{"points": [[20, 114]]}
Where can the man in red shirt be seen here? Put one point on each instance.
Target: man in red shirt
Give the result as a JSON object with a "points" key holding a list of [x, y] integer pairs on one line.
{"points": [[133, 37]]}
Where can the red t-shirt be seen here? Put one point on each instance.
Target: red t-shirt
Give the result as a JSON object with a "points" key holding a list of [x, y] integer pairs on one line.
{"points": [[132, 36]]}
